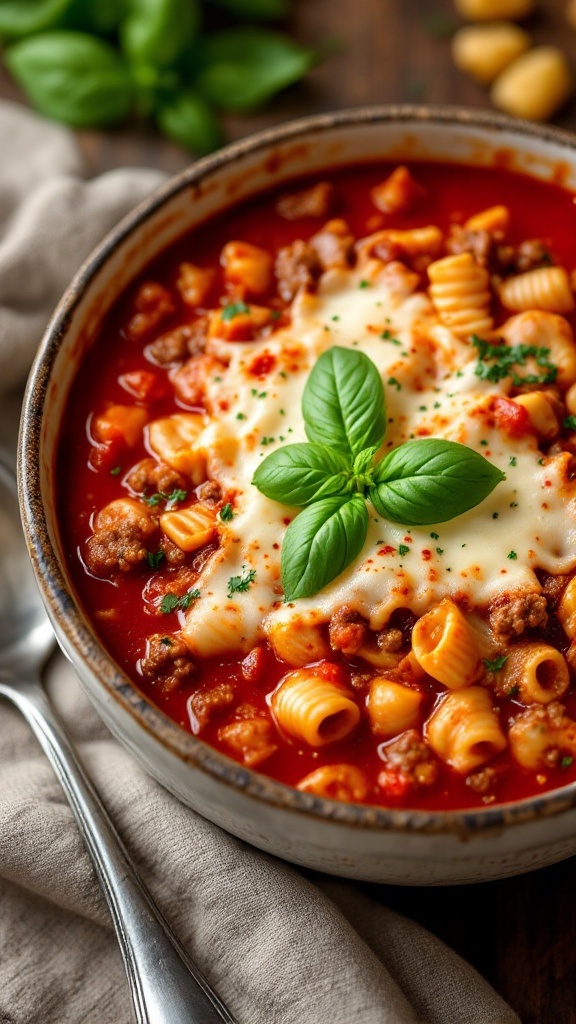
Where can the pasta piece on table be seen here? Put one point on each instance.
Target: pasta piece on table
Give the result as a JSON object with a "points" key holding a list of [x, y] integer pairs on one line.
{"points": [[535, 85]]}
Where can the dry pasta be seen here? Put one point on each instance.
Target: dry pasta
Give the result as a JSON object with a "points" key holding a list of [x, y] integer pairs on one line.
{"points": [[535, 85], [483, 51]]}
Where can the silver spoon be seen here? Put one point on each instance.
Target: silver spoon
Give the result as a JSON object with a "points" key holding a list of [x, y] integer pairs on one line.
{"points": [[166, 987]]}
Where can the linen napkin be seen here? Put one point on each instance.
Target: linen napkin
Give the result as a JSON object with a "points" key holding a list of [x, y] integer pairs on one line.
{"points": [[281, 946]]}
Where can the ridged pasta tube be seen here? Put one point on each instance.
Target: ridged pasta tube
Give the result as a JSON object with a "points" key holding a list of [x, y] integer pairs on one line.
{"points": [[392, 708], [537, 671], [464, 730], [566, 612], [460, 292], [546, 288], [313, 709], [445, 646], [336, 782], [191, 528]]}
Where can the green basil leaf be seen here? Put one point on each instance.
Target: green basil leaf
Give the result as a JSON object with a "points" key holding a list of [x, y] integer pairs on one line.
{"points": [[22, 17], [99, 16], [300, 473], [189, 121], [363, 462], [244, 67], [157, 32], [320, 542], [343, 402], [256, 10], [72, 77], [431, 481]]}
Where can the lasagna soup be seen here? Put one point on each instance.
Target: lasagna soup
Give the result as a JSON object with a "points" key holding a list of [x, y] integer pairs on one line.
{"points": [[428, 663]]}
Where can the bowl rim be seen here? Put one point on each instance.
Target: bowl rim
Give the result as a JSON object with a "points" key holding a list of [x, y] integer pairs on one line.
{"points": [[67, 614]]}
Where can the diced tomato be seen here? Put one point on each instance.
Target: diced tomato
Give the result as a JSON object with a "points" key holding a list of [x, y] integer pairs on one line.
{"points": [[145, 385], [511, 417], [105, 457], [394, 784]]}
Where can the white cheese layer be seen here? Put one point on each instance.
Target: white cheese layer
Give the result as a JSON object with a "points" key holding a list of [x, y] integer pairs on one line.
{"points": [[528, 521]]}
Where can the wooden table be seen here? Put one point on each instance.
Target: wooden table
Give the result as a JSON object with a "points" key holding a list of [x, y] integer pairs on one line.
{"points": [[519, 933]]}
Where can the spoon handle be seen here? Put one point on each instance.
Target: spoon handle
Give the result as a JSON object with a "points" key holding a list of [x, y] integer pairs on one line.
{"points": [[166, 987]]}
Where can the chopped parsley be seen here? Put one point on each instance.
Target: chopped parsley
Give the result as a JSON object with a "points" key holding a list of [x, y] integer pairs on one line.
{"points": [[512, 556], [226, 512], [566, 761], [513, 691], [387, 336], [394, 383], [166, 641], [513, 461], [173, 602], [497, 664], [240, 416], [439, 551], [403, 549], [173, 498], [495, 362], [267, 440], [116, 471], [258, 394], [240, 584], [364, 283], [234, 309], [435, 536], [569, 422], [154, 558]]}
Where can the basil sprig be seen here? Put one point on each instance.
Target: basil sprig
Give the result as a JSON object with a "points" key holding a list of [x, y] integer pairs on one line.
{"points": [[332, 477]]}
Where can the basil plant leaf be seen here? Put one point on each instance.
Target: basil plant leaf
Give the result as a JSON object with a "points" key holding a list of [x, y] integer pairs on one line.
{"points": [[157, 32], [343, 401], [320, 542], [256, 10], [300, 473], [188, 120], [244, 67], [99, 16], [22, 17], [431, 481], [72, 77], [363, 461]]}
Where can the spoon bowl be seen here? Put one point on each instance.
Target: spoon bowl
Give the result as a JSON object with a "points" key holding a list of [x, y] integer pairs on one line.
{"points": [[166, 987]]}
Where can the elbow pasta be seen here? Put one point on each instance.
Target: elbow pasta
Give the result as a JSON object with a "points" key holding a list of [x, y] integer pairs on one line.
{"points": [[313, 709], [464, 730], [428, 673]]}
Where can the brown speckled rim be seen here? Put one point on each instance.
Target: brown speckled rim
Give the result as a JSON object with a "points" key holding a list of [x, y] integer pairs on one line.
{"points": [[56, 587]]}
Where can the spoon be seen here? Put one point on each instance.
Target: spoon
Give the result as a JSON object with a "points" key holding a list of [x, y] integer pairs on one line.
{"points": [[166, 987]]}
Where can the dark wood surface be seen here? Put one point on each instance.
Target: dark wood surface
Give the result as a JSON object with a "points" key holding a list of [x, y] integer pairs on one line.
{"points": [[520, 933]]}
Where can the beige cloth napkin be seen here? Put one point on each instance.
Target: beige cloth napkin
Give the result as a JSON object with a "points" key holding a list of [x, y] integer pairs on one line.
{"points": [[280, 947]]}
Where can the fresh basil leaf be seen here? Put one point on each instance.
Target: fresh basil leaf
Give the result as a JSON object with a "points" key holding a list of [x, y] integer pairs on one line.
{"points": [[300, 473], [244, 67], [100, 16], [189, 121], [363, 462], [343, 402], [431, 481], [72, 77], [22, 17], [256, 10], [320, 542], [157, 32]]}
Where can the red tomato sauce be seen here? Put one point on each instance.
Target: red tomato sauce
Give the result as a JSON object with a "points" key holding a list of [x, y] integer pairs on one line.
{"points": [[116, 370]]}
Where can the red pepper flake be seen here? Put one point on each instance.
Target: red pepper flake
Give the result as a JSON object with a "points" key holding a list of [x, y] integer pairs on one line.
{"points": [[408, 539], [262, 365], [387, 550], [426, 554]]}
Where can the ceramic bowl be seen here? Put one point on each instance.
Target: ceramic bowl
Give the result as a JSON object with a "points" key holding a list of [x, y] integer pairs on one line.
{"points": [[363, 842]]}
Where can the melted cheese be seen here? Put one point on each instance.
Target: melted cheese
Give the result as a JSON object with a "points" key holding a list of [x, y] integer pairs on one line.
{"points": [[528, 521]]}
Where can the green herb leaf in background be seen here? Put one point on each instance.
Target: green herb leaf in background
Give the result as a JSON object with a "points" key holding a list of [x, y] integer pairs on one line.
{"points": [[244, 67], [431, 481], [157, 32], [188, 120], [318, 545], [22, 17], [72, 77], [256, 10]]}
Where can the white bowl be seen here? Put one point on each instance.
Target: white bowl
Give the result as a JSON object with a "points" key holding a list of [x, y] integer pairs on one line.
{"points": [[363, 842]]}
